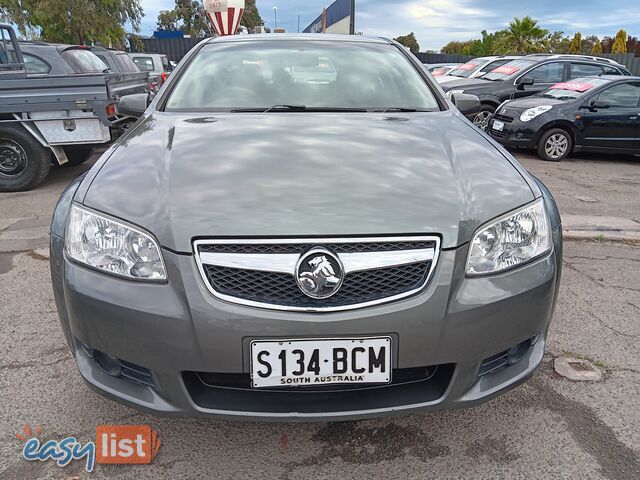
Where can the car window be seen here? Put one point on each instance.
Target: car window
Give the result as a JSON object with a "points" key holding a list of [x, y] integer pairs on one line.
{"points": [[621, 95], [125, 64], [144, 64], [83, 61], [547, 73], [508, 70], [585, 70], [465, 70], [35, 65], [611, 71], [165, 62], [311, 73], [102, 57], [493, 65]]}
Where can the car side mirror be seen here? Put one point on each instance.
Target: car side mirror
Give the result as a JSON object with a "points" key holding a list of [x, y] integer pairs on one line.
{"points": [[467, 104], [598, 104], [524, 81], [133, 105]]}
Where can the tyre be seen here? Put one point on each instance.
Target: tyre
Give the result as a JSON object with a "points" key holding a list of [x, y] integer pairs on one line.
{"points": [[481, 119], [554, 145], [77, 155], [24, 162]]}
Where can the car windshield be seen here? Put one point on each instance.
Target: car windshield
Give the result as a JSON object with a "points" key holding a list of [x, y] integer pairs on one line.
{"points": [[303, 75], [508, 70], [464, 71], [572, 89]]}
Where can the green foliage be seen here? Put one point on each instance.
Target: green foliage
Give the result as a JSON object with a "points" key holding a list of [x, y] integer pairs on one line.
{"points": [[557, 42], [251, 18], [189, 17], [409, 41], [523, 35], [597, 48], [576, 43], [74, 21], [620, 43]]}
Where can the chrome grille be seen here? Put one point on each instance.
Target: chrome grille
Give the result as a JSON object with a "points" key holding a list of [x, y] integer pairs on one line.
{"points": [[261, 273]]}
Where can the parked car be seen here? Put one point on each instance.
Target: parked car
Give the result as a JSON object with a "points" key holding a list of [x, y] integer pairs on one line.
{"points": [[275, 250], [441, 69], [156, 64], [116, 60], [585, 114], [56, 103], [527, 76], [42, 58], [476, 68]]}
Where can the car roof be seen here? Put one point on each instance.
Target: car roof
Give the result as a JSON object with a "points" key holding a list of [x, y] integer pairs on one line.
{"points": [[568, 56], [283, 37], [614, 78]]}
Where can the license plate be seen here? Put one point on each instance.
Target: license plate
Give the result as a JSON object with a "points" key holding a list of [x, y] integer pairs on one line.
{"points": [[313, 362], [498, 125]]}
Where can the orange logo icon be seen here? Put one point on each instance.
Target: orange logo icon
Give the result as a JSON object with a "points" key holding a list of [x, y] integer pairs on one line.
{"points": [[126, 444]]}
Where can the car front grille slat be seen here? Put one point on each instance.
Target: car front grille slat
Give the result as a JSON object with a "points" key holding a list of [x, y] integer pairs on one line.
{"points": [[262, 273]]}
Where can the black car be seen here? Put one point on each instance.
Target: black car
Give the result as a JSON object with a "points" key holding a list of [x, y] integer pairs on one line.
{"points": [[42, 58], [589, 113], [527, 76]]}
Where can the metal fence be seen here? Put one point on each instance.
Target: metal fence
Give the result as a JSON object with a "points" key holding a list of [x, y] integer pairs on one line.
{"points": [[442, 58], [173, 48], [176, 48], [628, 59]]}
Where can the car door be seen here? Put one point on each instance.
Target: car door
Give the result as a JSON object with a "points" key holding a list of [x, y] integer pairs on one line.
{"points": [[614, 123], [544, 76]]}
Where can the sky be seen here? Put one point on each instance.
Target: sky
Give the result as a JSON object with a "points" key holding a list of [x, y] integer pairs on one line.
{"points": [[437, 22]]}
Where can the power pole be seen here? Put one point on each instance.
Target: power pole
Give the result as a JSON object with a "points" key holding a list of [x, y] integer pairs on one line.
{"points": [[298, 23], [352, 18]]}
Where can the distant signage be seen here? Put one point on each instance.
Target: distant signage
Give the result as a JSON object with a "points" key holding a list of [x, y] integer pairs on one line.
{"points": [[335, 19], [575, 87], [506, 69]]}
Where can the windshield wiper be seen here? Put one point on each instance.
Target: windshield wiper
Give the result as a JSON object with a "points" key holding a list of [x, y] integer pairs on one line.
{"points": [[401, 109], [296, 108]]}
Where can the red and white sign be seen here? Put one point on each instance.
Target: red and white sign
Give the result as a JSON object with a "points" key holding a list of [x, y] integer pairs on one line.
{"points": [[575, 87], [224, 15], [467, 66], [438, 72], [505, 69]]}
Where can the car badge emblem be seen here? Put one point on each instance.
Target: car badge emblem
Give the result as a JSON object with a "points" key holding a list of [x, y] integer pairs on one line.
{"points": [[503, 111], [319, 273]]}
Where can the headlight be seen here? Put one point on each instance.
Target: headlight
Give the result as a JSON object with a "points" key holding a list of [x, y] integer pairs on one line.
{"points": [[532, 113], [511, 240], [112, 246]]}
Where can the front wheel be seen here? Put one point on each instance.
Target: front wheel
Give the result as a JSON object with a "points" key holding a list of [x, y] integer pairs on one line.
{"points": [[24, 162], [481, 120], [554, 145]]}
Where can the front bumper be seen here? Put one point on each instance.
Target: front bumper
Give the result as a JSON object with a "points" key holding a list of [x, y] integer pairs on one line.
{"points": [[176, 329], [515, 134]]}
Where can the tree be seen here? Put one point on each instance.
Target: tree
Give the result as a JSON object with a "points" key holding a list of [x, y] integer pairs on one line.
{"points": [[597, 48], [251, 18], [189, 17], [557, 42], [620, 43], [576, 43], [167, 20], [524, 36], [74, 21], [409, 41]]}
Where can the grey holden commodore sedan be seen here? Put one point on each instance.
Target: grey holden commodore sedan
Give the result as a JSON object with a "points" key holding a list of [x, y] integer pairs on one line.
{"points": [[304, 228]]}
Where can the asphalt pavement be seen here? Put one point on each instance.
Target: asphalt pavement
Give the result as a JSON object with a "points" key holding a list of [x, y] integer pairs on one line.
{"points": [[549, 427]]}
